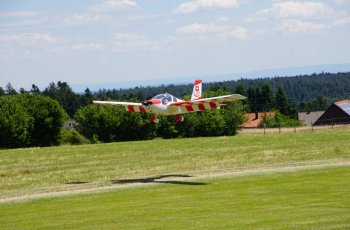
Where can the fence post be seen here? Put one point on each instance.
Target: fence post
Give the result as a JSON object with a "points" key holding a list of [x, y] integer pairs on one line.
{"points": [[312, 126], [294, 128]]}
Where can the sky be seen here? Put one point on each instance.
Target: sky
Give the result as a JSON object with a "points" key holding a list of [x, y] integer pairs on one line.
{"points": [[116, 41]]}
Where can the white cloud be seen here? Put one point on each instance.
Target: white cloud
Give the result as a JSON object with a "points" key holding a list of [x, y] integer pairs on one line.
{"points": [[198, 5], [88, 46], [295, 9], [113, 5], [127, 42], [342, 21], [342, 2], [239, 33], [223, 19], [202, 28], [28, 45], [82, 19], [220, 31], [298, 26], [20, 14], [30, 39]]}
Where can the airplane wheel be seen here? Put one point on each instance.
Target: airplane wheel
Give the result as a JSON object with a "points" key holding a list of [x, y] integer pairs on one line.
{"points": [[179, 118], [153, 120]]}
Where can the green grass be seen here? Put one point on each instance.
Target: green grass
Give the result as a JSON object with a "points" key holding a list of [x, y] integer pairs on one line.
{"points": [[304, 199], [307, 199], [33, 170]]}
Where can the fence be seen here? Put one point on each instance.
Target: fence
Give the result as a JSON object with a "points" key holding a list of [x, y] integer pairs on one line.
{"points": [[324, 124]]}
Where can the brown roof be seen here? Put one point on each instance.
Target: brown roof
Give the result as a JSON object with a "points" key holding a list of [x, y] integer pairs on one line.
{"points": [[346, 101], [309, 118], [252, 122]]}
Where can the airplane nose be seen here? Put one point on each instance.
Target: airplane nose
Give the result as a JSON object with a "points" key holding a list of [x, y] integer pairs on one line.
{"points": [[147, 102], [151, 102]]}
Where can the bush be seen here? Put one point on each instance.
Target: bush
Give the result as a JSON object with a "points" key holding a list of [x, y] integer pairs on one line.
{"points": [[72, 137], [108, 123], [279, 120], [30, 120], [16, 124]]}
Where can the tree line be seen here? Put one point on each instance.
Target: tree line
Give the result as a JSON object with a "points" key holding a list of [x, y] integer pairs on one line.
{"points": [[304, 92], [308, 92], [35, 118]]}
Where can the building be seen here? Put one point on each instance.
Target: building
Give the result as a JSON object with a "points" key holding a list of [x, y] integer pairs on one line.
{"points": [[254, 119], [337, 113], [309, 118], [70, 124]]}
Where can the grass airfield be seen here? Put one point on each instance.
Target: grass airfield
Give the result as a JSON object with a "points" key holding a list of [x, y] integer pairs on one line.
{"points": [[277, 181]]}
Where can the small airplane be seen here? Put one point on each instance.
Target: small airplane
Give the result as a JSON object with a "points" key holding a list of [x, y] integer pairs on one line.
{"points": [[167, 104]]}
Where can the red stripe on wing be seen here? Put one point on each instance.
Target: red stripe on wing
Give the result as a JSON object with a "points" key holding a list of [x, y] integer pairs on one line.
{"points": [[131, 108], [142, 110], [201, 107], [189, 108], [212, 105]]}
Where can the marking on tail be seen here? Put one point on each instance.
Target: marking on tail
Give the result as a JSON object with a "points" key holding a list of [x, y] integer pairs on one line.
{"points": [[197, 90]]}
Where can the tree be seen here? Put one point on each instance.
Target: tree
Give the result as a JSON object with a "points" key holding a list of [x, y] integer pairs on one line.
{"points": [[99, 122], [167, 128], [48, 117], [266, 95], [135, 126], [233, 114], [63, 93], [254, 99], [22, 91], [30, 120], [281, 101], [10, 90], [240, 90], [86, 98], [2, 92], [35, 89], [211, 123], [15, 123]]}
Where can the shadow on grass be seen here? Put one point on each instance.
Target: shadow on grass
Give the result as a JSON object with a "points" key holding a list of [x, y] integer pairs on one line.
{"points": [[78, 182], [156, 179]]}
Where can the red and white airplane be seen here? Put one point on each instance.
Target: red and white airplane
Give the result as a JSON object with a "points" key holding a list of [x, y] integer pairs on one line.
{"points": [[166, 104]]}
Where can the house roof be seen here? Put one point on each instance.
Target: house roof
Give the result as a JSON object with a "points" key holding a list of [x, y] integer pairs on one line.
{"points": [[344, 105], [253, 122], [309, 118]]}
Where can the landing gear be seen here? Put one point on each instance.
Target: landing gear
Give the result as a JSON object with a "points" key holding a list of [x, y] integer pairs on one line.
{"points": [[179, 118], [153, 119]]}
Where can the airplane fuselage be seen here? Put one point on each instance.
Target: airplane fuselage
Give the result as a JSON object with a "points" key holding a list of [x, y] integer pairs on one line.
{"points": [[165, 109]]}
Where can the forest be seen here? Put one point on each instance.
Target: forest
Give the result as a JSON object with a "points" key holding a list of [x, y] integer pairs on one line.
{"points": [[27, 114]]}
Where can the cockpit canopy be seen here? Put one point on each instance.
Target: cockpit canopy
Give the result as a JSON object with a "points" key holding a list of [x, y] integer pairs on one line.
{"points": [[166, 98]]}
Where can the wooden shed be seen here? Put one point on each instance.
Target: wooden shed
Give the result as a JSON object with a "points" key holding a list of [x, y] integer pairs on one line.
{"points": [[337, 113]]}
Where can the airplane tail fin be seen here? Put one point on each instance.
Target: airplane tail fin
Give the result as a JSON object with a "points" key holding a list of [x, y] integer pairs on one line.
{"points": [[197, 90]]}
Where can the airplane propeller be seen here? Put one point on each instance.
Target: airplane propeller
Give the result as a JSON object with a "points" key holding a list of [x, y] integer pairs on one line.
{"points": [[147, 103]]}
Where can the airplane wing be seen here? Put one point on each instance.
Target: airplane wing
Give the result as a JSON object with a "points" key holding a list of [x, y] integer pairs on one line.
{"points": [[206, 103], [231, 97], [129, 106]]}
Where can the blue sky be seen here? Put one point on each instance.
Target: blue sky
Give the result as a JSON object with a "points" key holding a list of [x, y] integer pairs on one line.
{"points": [[98, 41]]}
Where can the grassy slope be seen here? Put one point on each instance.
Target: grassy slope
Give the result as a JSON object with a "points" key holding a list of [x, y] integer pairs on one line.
{"points": [[309, 199], [24, 171]]}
